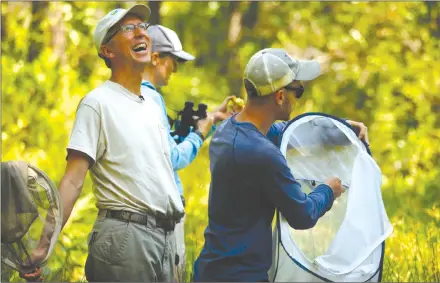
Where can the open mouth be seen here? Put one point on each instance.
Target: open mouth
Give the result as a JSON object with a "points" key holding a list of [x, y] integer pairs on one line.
{"points": [[140, 47]]}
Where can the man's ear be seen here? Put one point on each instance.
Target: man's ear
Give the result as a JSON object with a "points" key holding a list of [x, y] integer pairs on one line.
{"points": [[107, 52], [280, 96], [155, 58]]}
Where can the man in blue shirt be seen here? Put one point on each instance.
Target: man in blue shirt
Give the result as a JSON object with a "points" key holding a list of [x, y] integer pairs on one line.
{"points": [[167, 53], [250, 177]]}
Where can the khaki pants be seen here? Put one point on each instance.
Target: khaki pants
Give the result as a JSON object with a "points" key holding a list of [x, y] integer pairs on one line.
{"points": [[180, 244], [130, 252]]}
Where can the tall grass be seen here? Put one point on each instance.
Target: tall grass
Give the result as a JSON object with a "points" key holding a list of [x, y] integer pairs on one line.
{"points": [[412, 251], [411, 255]]}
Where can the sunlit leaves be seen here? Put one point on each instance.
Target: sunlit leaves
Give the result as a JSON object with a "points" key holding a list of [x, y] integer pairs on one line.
{"points": [[380, 65]]}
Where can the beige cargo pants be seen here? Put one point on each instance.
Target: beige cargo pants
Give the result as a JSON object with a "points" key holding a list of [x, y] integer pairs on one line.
{"points": [[130, 252]]}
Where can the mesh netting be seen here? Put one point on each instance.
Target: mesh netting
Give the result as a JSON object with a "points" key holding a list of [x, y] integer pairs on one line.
{"points": [[31, 215], [344, 245], [317, 150]]}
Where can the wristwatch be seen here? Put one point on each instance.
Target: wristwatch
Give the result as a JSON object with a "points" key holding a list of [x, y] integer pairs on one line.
{"points": [[200, 134]]}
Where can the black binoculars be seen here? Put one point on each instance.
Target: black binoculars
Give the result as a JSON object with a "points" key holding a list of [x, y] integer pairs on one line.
{"points": [[189, 118]]}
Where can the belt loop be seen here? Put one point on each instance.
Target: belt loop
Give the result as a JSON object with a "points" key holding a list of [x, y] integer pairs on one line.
{"points": [[102, 213], [151, 221]]}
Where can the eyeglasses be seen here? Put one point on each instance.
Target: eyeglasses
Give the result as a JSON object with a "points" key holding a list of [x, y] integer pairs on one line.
{"points": [[298, 90], [130, 28]]}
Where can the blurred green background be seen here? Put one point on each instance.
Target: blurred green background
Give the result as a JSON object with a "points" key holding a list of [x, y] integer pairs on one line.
{"points": [[381, 65]]}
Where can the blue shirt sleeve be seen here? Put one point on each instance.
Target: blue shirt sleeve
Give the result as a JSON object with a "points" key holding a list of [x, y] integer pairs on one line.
{"points": [[302, 211], [275, 131], [182, 154]]}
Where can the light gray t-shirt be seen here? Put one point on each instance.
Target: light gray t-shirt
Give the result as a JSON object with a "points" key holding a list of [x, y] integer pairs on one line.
{"points": [[128, 141]]}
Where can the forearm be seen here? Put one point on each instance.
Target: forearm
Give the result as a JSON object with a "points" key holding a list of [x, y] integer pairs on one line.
{"points": [[302, 211], [69, 192], [304, 214], [322, 200]]}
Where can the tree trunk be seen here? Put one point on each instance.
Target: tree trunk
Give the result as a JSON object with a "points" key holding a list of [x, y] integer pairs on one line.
{"points": [[230, 63], [240, 23], [58, 28], [36, 42], [250, 18], [3, 27], [434, 17], [155, 12]]}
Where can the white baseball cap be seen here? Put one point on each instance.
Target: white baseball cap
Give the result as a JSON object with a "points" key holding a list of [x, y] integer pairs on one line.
{"points": [[271, 69], [164, 39], [113, 17]]}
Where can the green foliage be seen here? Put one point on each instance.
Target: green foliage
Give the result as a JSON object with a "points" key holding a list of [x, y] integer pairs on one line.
{"points": [[381, 65]]}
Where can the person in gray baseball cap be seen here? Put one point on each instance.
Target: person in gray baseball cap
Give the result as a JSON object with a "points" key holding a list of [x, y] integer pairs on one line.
{"points": [[119, 137], [250, 175], [166, 40], [167, 54]]}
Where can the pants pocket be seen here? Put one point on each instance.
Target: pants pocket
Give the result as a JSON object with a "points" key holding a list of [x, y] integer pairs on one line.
{"points": [[119, 241], [108, 240], [92, 237]]}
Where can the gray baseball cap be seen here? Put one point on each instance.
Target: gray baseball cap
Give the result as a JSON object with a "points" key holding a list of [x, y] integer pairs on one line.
{"points": [[271, 69], [164, 39]]}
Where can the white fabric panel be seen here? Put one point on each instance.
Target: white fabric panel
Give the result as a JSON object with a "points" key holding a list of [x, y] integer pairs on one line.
{"points": [[364, 227], [345, 244]]}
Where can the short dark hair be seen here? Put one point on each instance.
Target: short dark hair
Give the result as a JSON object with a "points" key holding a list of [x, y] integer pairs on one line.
{"points": [[169, 54], [252, 93], [106, 60], [109, 36], [250, 88]]}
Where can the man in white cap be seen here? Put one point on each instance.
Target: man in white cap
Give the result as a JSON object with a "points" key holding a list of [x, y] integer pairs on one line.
{"points": [[167, 54], [121, 139], [250, 177]]}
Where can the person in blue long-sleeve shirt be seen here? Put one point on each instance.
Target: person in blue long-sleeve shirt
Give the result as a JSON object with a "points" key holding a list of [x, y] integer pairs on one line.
{"points": [[167, 54], [250, 177]]}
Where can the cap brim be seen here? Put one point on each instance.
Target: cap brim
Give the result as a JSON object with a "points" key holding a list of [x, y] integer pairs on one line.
{"points": [[183, 55], [308, 70], [139, 10]]}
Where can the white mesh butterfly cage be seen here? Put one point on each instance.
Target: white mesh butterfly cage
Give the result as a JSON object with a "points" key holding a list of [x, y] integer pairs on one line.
{"points": [[348, 242]]}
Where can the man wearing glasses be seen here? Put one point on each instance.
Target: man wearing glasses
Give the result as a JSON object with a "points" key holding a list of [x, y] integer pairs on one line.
{"points": [[250, 176], [121, 139]]}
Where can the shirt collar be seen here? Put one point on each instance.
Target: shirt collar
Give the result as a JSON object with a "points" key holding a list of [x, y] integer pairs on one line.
{"points": [[148, 84]]}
